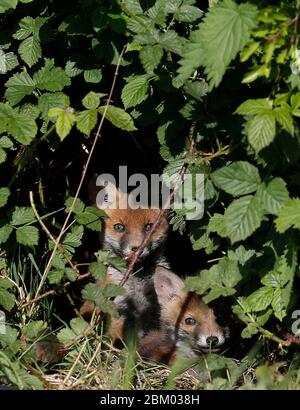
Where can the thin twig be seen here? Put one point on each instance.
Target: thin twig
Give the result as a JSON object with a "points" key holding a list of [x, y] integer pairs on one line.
{"points": [[53, 291], [97, 136], [158, 220]]}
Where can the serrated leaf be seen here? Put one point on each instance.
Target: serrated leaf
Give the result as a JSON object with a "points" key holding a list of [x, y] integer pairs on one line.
{"points": [[224, 31], [93, 76], [171, 41], [26, 25], [90, 219], [150, 57], [30, 50], [55, 276], [92, 292], [6, 142], [4, 194], [118, 117], [238, 178], [188, 14], [273, 195], [3, 156], [27, 235], [254, 107], [260, 299], [22, 127], [261, 130], [51, 78], [64, 121], [98, 270], [283, 115], [281, 301], [74, 237], [250, 330], [22, 215], [217, 224], [18, 86], [5, 231], [71, 274], [112, 290], [7, 299], [135, 91], [289, 216], [52, 100], [117, 262], [243, 217], [71, 69], [197, 89], [33, 329], [92, 100], [7, 5], [78, 205], [86, 121]]}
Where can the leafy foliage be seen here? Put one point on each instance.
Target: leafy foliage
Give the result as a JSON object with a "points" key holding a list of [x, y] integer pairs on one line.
{"points": [[224, 75]]}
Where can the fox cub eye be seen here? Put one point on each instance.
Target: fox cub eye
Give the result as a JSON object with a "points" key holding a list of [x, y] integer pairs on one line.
{"points": [[148, 227], [190, 321], [119, 227]]}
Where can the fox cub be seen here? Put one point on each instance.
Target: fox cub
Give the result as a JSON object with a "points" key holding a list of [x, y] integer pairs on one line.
{"points": [[125, 229], [187, 324]]}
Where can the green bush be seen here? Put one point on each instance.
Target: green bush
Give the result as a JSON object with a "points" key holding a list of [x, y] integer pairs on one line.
{"points": [[226, 77]]}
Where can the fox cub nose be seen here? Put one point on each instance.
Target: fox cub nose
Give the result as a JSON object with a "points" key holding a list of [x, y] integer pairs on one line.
{"points": [[134, 248], [212, 341]]}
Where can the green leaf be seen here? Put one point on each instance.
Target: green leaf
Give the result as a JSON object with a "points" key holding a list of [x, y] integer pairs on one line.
{"points": [[51, 78], [22, 215], [6, 142], [188, 14], [289, 216], [26, 25], [98, 270], [74, 237], [86, 121], [22, 127], [30, 50], [217, 224], [261, 130], [117, 262], [55, 276], [93, 76], [90, 219], [34, 329], [92, 100], [224, 31], [64, 121], [273, 195], [4, 194], [150, 57], [281, 301], [78, 206], [118, 117], [238, 178], [18, 86], [283, 115], [112, 290], [5, 231], [254, 107], [8, 61], [27, 235], [243, 217], [7, 300], [52, 100], [171, 41], [3, 156], [260, 299], [135, 91], [71, 274], [7, 4]]}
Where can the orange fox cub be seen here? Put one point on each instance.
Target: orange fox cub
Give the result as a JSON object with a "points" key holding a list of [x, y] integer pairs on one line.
{"points": [[125, 229], [187, 324]]}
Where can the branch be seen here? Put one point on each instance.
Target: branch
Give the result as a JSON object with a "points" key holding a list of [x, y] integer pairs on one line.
{"points": [[158, 220], [97, 136]]}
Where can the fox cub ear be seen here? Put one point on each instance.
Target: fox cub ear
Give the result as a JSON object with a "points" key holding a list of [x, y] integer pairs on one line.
{"points": [[103, 193], [167, 285]]}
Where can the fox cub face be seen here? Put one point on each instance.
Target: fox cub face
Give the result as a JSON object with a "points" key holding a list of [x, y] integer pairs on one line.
{"points": [[192, 323], [125, 229]]}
